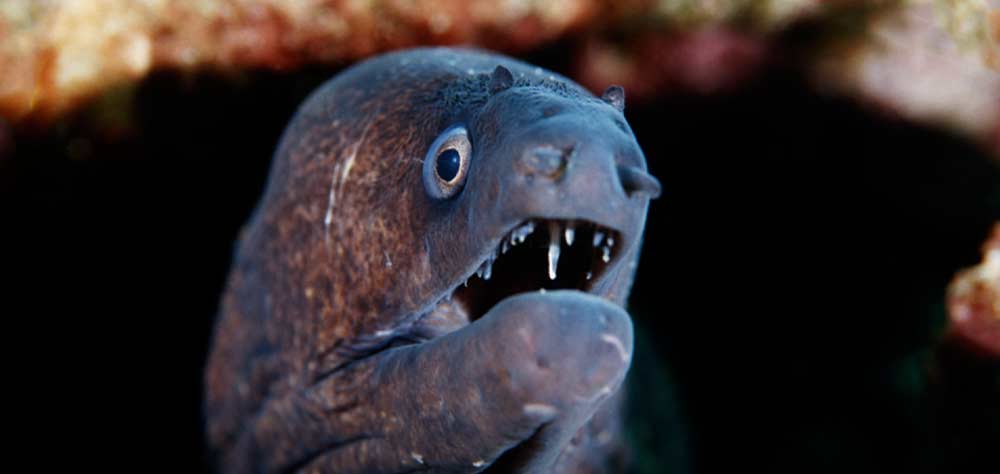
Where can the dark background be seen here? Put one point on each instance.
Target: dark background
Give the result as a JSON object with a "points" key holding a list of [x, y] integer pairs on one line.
{"points": [[789, 300]]}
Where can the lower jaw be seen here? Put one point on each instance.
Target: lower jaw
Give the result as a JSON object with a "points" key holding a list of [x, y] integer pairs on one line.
{"points": [[451, 315]]}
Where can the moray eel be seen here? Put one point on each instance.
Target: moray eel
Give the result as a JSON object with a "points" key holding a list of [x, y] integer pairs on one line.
{"points": [[434, 278]]}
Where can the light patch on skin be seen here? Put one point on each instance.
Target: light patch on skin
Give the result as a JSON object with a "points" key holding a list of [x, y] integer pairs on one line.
{"points": [[479, 463], [417, 457], [617, 343], [339, 178], [350, 160], [603, 392], [388, 261], [540, 409], [329, 205]]}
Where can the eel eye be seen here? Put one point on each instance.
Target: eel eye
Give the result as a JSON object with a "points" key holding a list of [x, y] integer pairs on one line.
{"points": [[447, 163]]}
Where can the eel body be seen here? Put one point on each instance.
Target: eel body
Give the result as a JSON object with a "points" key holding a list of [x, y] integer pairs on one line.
{"points": [[434, 278]]}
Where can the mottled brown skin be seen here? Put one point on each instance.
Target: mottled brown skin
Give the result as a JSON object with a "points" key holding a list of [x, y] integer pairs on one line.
{"points": [[333, 352]]}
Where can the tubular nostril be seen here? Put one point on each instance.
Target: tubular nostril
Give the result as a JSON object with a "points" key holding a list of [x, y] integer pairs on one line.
{"points": [[545, 160], [635, 180]]}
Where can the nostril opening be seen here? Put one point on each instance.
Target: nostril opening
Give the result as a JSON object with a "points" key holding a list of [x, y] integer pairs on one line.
{"points": [[548, 156], [545, 160], [635, 180]]}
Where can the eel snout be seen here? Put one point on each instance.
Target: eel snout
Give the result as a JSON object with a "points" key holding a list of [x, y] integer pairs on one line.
{"points": [[635, 180]]}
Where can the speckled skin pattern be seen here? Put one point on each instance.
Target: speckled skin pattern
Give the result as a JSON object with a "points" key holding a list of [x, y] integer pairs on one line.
{"points": [[336, 351]]}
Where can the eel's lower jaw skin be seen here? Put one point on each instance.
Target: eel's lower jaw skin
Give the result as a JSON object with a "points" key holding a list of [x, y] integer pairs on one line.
{"points": [[541, 365], [516, 386], [540, 255]]}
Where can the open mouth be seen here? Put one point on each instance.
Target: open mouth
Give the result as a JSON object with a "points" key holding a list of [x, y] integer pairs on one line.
{"points": [[539, 254]]}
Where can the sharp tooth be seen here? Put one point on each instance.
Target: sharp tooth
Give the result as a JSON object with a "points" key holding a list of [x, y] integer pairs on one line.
{"points": [[607, 255], [590, 275], [504, 246], [522, 232], [611, 241], [553, 249], [519, 234], [569, 233], [489, 269], [598, 237]]}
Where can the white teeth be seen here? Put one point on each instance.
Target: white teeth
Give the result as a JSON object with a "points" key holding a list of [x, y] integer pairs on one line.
{"points": [[553, 249], [558, 231], [485, 270], [521, 233]]}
